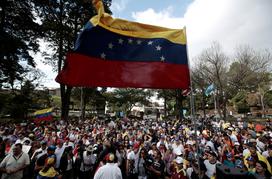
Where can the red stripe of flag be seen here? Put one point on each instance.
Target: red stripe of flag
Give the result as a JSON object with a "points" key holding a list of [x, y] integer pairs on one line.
{"points": [[91, 71]]}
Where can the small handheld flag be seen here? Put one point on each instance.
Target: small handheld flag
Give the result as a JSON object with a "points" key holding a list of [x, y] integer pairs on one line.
{"points": [[209, 89]]}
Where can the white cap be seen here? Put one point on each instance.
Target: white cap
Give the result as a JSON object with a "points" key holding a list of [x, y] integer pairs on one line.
{"points": [[236, 143], [179, 160], [178, 152]]}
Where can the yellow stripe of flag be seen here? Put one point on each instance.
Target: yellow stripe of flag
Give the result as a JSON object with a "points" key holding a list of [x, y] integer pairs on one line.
{"points": [[135, 29], [43, 111]]}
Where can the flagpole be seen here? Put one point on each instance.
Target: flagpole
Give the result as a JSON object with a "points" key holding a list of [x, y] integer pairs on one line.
{"points": [[192, 104], [215, 107], [81, 103]]}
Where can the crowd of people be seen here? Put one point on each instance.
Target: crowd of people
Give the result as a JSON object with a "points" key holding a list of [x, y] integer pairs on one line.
{"points": [[133, 149]]}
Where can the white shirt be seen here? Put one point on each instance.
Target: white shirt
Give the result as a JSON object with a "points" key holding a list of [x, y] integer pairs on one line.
{"points": [[58, 153], [88, 160], [211, 168], [177, 149], [40, 151], [165, 143], [245, 152], [210, 144], [265, 154], [11, 162], [233, 138], [108, 171], [189, 172]]}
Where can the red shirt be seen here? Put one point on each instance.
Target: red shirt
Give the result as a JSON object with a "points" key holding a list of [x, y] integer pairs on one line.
{"points": [[178, 174]]}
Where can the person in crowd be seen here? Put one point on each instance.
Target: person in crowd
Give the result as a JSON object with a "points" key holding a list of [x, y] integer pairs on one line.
{"points": [[41, 161], [132, 160], [168, 160], [177, 146], [157, 167], [251, 164], [210, 164], [109, 170], [229, 161], [48, 171], [198, 172], [58, 152], [67, 164], [14, 163], [40, 151], [179, 172], [256, 155], [87, 163], [268, 154], [141, 164], [262, 171]]}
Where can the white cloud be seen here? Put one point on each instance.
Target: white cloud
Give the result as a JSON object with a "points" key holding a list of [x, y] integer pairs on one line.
{"points": [[50, 76], [119, 5], [158, 18], [230, 22]]}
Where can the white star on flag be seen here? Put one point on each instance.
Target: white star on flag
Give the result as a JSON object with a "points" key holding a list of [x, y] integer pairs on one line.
{"points": [[150, 43], [130, 41], [162, 58], [139, 42], [103, 55], [158, 48], [120, 41], [110, 45]]}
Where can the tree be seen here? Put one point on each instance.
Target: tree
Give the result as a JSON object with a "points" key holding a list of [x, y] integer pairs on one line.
{"points": [[214, 68], [250, 72], [200, 82], [88, 96], [18, 36], [61, 22], [249, 69], [126, 98]]}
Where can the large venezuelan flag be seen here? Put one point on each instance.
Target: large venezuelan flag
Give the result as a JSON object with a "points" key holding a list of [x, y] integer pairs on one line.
{"points": [[117, 53]]}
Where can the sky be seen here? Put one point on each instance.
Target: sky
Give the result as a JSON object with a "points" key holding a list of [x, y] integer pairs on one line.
{"points": [[229, 22]]}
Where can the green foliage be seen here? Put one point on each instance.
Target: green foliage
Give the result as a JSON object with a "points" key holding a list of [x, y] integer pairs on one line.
{"points": [[123, 99], [61, 22], [91, 97], [20, 103], [18, 36], [268, 98], [240, 102]]}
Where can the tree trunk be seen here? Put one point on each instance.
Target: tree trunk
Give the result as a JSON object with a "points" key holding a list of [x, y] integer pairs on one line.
{"points": [[178, 111], [65, 101], [203, 104], [83, 103], [164, 106]]}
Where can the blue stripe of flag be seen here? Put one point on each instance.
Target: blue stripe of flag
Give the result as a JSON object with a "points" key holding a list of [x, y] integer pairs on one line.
{"points": [[102, 43]]}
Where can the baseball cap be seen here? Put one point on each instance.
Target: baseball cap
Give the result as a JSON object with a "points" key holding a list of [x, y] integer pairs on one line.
{"points": [[250, 158], [52, 148], [179, 160], [229, 155]]}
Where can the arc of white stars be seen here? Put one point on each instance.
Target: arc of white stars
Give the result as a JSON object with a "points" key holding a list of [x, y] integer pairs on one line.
{"points": [[130, 41], [103, 55], [150, 43], [120, 41], [110, 45], [158, 48], [162, 58]]}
